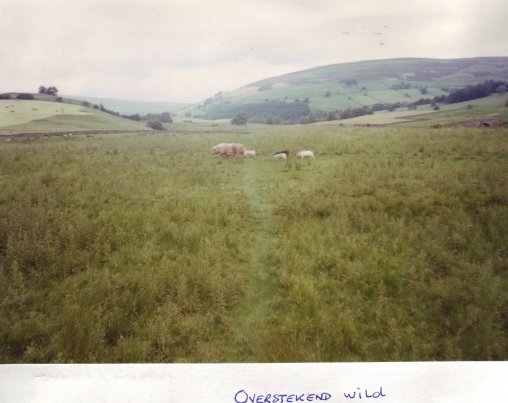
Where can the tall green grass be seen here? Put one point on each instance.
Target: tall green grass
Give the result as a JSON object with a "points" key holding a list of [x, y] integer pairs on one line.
{"points": [[390, 245], [117, 249]]}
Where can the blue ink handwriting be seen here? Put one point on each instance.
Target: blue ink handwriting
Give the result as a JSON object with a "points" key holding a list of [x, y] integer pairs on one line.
{"points": [[243, 397], [358, 394]]}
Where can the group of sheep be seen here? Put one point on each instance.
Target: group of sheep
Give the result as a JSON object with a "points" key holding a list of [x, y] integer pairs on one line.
{"points": [[300, 154], [239, 150]]}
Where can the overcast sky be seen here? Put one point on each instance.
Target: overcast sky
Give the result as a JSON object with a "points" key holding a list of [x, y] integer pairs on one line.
{"points": [[187, 50]]}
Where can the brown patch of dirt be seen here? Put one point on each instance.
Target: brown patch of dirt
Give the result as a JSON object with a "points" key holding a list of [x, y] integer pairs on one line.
{"points": [[491, 123]]}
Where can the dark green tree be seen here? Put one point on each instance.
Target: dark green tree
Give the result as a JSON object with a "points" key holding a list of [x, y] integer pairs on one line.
{"points": [[25, 96], [48, 90], [240, 119], [331, 116], [52, 91], [155, 124]]}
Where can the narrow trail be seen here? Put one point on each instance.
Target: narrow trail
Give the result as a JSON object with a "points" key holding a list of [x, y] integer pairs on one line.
{"points": [[262, 286]]}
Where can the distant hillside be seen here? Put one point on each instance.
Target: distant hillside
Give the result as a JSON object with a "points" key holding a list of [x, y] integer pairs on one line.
{"points": [[49, 114], [132, 107], [337, 87], [449, 71]]}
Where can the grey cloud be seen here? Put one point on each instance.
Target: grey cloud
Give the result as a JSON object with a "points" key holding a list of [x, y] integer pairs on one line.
{"points": [[178, 49]]}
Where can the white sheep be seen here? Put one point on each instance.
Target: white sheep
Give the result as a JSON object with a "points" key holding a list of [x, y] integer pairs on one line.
{"points": [[305, 154]]}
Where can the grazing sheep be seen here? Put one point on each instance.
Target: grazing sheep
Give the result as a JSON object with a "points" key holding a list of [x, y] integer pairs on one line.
{"points": [[250, 153], [281, 154], [305, 154], [216, 148], [229, 149]]}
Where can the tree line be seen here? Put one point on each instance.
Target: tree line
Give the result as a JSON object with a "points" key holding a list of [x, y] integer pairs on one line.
{"points": [[482, 90], [273, 110], [48, 90], [468, 93]]}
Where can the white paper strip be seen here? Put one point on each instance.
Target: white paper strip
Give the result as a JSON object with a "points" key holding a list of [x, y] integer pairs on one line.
{"points": [[257, 383]]}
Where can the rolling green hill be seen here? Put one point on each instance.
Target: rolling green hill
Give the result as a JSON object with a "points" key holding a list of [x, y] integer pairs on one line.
{"points": [[44, 114], [351, 85], [492, 107], [129, 107]]}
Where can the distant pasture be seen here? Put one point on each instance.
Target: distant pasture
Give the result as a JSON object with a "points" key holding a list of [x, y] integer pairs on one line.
{"points": [[16, 111]]}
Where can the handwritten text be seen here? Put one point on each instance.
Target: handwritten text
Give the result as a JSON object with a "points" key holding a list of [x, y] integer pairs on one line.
{"points": [[364, 394], [243, 397]]}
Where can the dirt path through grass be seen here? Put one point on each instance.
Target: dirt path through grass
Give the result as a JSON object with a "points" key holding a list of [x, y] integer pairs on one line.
{"points": [[262, 288]]}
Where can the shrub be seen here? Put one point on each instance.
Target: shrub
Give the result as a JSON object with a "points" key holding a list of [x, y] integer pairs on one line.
{"points": [[240, 119], [155, 124], [349, 81], [25, 96], [164, 117], [135, 117], [48, 90], [5, 96], [331, 116]]}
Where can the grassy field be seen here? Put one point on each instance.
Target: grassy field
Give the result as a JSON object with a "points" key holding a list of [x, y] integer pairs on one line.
{"points": [[17, 112], [24, 116], [492, 107], [390, 245], [376, 81]]}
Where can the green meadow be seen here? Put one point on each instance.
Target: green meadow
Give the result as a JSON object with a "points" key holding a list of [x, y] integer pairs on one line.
{"points": [[18, 112], [352, 85], [40, 115], [492, 107], [390, 245]]}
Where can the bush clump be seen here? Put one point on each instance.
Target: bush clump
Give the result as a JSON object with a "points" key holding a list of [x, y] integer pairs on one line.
{"points": [[240, 119], [155, 124], [25, 96]]}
